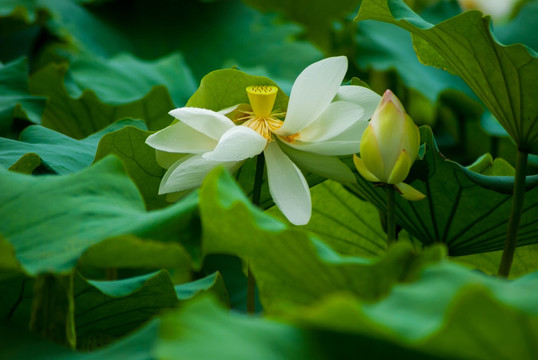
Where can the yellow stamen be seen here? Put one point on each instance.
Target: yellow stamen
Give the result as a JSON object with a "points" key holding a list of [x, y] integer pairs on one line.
{"points": [[263, 126], [291, 138], [262, 98], [261, 119]]}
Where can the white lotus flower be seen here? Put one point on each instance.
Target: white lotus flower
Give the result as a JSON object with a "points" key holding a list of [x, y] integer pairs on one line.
{"points": [[323, 119]]}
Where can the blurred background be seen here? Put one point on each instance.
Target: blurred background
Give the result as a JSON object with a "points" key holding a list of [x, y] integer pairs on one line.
{"points": [[118, 52]]}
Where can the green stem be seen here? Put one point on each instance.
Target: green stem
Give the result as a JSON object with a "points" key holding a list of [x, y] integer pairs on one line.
{"points": [[494, 146], [111, 274], [391, 215], [251, 292], [53, 309], [258, 180], [515, 214], [256, 195]]}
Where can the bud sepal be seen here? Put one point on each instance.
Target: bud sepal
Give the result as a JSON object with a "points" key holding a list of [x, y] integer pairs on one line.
{"points": [[408, 192]]}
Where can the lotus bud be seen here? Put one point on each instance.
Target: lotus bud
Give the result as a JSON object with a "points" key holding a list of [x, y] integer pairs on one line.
{"points": [[389, 146]]}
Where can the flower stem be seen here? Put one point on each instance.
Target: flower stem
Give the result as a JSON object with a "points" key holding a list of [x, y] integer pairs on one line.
{"points": [[515, 214], [258, 179], [256, 195], [391, 215]]}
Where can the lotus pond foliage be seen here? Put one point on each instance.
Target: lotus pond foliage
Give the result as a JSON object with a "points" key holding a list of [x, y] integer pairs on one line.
{"points": [[268, 180]]}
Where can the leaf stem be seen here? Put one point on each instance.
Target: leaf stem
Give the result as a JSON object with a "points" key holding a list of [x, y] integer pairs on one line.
{"points": [[53, 309], [515, 214], [251, 292], [111, 274], [391, 215], [256, 195]]}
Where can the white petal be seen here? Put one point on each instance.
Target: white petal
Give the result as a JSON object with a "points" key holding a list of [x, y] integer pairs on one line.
{"points": [[181, 138], [330, 148], [189, 173], [287, 186], [359, 95], [338, 117], [235, 111], [312, 92], [329, 167], [228, 110], [348, 142], [206, 121], [238, 143], [353, 133]]}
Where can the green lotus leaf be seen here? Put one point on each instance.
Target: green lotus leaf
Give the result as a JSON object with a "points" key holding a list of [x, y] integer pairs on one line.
{"points": [[106, 310], [215, 333], [349, 225], [22, 344], [131, 252], [25, 9], [486, 165], [222, 89], [52, 220], [422, 319], [139, 159], [26, 164], [83, 116], [9, 265], [499, 181], [125, 78], [446, 305], [465, 210], [418, 320], [316, 16], [227, 34], [28, 9], [384, 47], [16, 101], [60, 153], [502, 76], [524, 261], [290, 265]]}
